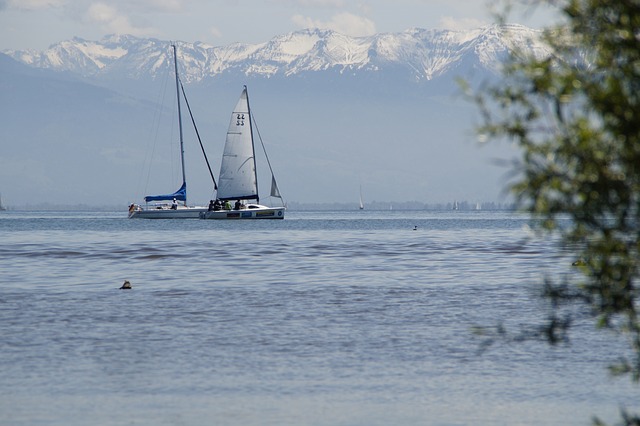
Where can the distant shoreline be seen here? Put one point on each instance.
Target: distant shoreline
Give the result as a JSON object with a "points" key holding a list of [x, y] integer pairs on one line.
{"points": [[299, 206]]}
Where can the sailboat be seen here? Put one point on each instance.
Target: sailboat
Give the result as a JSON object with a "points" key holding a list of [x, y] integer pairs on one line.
{"points": [[361, 203], [171, 208], [2, 207], [238, 180]]}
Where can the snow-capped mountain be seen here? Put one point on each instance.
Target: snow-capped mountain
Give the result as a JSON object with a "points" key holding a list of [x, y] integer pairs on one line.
{"points": [[335, 110], [420, 54]]}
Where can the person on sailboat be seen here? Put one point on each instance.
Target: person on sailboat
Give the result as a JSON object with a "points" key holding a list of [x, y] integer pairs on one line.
{"points": [[238, 205], [227, 205], [174, 204]]}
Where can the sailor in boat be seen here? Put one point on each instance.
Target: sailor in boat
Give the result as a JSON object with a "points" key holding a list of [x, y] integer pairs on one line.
{"points": [[215, 205], [174, 204], [238, 205], [227, 205]]}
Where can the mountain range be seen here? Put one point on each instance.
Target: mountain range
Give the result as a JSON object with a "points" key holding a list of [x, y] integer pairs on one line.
{"points": [[422, 54], [337, 112]]}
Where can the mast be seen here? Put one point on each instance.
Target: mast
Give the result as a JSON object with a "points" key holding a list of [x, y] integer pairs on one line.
{"points": [[253, 148], [175, 66]]}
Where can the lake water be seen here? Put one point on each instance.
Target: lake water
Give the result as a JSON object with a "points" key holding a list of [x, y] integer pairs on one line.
{"points": [[325, 318]]}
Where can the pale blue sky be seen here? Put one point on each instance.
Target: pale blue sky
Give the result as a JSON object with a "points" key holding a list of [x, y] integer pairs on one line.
{"points": [[36, 24]]}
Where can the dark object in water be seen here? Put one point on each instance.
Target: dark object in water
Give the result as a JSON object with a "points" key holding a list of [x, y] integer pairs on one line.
{"points": [[126, 285]]}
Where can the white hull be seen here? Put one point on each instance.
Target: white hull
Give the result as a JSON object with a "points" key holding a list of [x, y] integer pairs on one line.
{"points": [[167, 213], [252, 211]]}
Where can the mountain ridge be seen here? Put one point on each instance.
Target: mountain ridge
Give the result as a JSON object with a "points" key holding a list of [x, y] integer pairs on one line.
{"points": [[423, 54]]}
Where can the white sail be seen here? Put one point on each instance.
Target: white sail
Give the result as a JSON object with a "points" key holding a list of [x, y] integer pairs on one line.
{"points": [[238, 168], [275, 192]]}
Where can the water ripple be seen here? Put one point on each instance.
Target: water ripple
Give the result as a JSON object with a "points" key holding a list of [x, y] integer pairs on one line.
{"points": [[327, 318]]}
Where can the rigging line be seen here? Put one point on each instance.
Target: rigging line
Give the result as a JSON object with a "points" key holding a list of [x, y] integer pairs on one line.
{"points": [[261, 143], [215, 185], [153, 140], [253, 146], [253, 118]]}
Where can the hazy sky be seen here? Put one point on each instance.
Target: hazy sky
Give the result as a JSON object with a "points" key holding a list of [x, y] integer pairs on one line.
{"points": [[36, 24]]}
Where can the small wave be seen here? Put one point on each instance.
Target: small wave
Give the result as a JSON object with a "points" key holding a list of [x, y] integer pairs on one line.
{"points": [[160, 256], [63, 254]]}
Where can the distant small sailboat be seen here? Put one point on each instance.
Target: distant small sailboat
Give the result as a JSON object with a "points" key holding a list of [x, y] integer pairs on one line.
{"points": [[361, 203], [2, 207], [455, 205]]}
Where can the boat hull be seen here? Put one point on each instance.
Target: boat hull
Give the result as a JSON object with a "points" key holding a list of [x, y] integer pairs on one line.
{"points": [[258, 212], [180, 213]]}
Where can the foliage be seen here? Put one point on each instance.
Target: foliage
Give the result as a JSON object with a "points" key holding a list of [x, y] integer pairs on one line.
{"points": [[575, 114]]}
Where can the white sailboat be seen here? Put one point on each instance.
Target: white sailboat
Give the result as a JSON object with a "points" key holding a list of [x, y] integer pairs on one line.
{"points": [[2, 207], [361, 203], [171, 206], [238, 176]]}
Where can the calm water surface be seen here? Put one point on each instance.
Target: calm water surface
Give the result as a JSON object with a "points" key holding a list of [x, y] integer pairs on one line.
{"points": [[350, 318]]}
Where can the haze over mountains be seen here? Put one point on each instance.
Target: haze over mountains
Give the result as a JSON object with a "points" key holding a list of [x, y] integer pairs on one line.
{"points": [[80, 118]]}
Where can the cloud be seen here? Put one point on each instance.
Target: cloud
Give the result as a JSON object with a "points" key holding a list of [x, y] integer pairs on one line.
{"points": [[327, 4], [31, 4], [112, 21], [215, 32], [321, 3], [163, 5], [344, 23], [451, 23]]}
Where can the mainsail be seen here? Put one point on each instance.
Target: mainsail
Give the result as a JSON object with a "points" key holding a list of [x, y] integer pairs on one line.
{"points": [[238, 169]]}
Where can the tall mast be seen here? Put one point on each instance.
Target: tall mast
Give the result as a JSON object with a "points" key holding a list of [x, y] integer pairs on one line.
{"points": [[175, 66], [253, 148]]}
